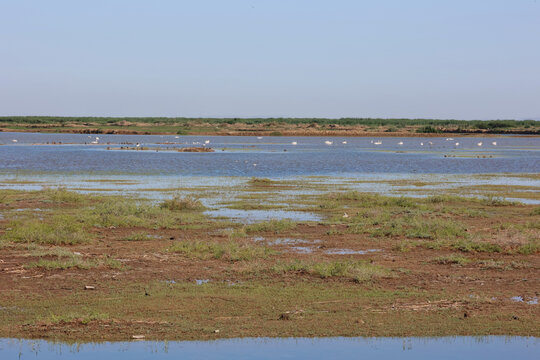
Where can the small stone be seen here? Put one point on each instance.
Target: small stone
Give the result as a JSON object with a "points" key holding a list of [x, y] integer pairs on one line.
{"points": [[285, 316], [88, 287]]}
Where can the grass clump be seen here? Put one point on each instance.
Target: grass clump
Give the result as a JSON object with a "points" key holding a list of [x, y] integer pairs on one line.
{"points": [[476, 246], [255, 181], [74, 262], [232, 250], [451, 259], [65, 230], [435, 229], [275, 226], [359, 271], [179, 203], [131, 213], [532, 247], [137, 237], [62, 195]]}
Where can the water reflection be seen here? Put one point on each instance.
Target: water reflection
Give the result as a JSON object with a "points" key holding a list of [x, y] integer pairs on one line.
{"points": [[492, 347]]}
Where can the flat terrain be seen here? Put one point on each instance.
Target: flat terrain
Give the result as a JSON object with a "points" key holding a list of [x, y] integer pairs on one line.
{"points": [[89, 268], [268, 126]]}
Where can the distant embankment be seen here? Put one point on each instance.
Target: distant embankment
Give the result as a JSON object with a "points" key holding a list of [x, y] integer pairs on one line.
{"points": [[267, 126]]}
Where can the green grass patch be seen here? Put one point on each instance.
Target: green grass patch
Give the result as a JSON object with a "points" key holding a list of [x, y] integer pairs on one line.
{"points": [[60, 229], [179, 203], [359, 271], [477, 246], [137, 237], [231, 250], [275, 226], [452, 259]]}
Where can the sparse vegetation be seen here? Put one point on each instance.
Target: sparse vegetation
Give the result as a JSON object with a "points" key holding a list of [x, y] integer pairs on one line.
{"points": [[359, 271], [452, 259], [231, 250], [61, 229], [179, 203]]}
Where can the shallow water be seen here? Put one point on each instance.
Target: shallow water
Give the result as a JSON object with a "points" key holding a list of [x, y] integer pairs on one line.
{"points": [[492, 347], [270, 156], [357, 165]]}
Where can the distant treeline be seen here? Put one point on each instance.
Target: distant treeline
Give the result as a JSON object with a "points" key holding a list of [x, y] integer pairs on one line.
{"points": [[426, 125]]}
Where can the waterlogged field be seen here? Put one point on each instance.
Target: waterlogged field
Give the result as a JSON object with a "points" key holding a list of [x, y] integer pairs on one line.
{"points": [[350, 238]]}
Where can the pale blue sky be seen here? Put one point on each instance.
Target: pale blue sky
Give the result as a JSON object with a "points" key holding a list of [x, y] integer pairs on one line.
{"points": [[464, 59]]}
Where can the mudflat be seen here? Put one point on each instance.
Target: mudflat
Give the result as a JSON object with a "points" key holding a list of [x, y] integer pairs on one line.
{"points": [[78, 267]]}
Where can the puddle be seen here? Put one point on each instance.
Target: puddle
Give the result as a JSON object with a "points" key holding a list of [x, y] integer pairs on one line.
{"points": [[466, 347], [200, 282], [532, 301], [36, 209], [287, 241], [302, 249], [350, 252]]}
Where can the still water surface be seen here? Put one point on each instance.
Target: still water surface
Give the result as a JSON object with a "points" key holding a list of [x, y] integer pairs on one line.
{"points": [[269, 156], [492, 347]]}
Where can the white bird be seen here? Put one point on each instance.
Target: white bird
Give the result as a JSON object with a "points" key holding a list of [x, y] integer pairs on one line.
{"points": [[494, 143], [328, 142], [457, 144], [294, 143], [207, 141], [378, 142], [449, 139], [138, 145], [254, 164], [430, 143], [14, 140], [421, 144], [400, 143], [479, 144], [94, 142], [259, 137], [344, 142], [177, 137], [345, 215], [97, 138]]}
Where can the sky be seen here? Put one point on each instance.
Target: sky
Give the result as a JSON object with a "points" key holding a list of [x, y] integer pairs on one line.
{"points": [[447, 59]]}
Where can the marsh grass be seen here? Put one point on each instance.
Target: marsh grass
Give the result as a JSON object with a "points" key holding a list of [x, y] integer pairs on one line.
{"points": [[133, 213], [57, 264], [452, 259], [476, 246], [359, 271], [255, 181], [179, 203], [137, 237], [231, 250], [275, 226], [69, 261], [60, 229], [532, 247]]}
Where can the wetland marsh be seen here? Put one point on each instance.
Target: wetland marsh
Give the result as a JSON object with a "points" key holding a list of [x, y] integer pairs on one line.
{"points": [[263, 238]]}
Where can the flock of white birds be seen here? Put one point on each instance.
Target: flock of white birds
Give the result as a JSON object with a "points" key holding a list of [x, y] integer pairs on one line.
{"points": [[327, 142]]}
